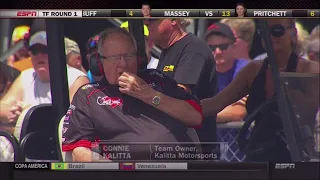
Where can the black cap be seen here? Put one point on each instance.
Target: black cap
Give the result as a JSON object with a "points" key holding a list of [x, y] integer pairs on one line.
{"points": [[220, 28]]}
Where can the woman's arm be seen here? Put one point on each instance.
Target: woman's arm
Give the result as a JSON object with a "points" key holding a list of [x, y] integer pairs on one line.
{"points": [[231, 113], [83, 154], [79, 82], [10, 60], [306, 100], [236, 90], [234, 112]]}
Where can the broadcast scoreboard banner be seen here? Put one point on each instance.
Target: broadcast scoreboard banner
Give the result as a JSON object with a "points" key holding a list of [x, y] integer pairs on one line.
{"points": [[158, 13], [182, 170], [146, 166]]}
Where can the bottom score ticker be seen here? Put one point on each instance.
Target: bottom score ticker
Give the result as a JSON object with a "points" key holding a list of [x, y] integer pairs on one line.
{"points": [[142, 166]]}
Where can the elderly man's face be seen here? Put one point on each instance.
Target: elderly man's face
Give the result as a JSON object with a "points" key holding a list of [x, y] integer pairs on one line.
{"points": [[118, 56]]}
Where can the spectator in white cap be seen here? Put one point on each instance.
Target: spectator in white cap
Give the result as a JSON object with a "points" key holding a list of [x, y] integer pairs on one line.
{"points": [[73, 54], [32, 87]]}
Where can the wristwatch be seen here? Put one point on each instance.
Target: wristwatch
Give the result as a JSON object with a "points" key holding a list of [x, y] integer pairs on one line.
{"points": [[156, 99]]}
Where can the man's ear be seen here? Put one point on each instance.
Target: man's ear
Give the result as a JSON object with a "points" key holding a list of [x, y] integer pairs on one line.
{"points": [[174, 22], [241, 43], [311, 56], [79, 60], [88, 57], [233, 46]]}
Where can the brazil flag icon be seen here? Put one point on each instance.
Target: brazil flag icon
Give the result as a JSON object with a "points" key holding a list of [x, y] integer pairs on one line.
{"points": [[58, 166]]}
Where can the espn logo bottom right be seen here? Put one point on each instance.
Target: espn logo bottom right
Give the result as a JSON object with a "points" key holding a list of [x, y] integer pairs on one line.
{"points": [[285, 166]]}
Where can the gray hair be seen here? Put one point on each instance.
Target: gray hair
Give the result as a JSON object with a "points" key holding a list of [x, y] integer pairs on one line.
{"points": [[184, 23], [104, 35]]}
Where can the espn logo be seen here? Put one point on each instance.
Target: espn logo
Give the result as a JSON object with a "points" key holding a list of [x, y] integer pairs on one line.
{"points": [[285, 166], [27, 13]]}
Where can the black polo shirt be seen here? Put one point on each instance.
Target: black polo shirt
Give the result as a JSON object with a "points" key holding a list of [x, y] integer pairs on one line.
{"points": [[100, 111], [190, 62]]}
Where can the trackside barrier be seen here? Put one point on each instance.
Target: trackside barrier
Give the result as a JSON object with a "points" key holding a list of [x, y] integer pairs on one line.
{"points": [[9, 148], [230, 135]]}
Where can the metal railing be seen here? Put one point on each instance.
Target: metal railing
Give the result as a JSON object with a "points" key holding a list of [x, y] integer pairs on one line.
{"points": [[9, 148], [229, 125], [228, 132]]}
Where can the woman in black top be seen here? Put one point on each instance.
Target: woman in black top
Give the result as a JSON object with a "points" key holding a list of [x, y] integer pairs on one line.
{"points": [[256, 80]]}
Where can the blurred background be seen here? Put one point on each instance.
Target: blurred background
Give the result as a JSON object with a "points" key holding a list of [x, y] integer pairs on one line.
{"points": [[80, 30]]}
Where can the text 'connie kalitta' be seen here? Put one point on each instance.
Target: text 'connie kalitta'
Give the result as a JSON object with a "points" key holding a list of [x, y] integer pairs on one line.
{"points": [[158, 152]]}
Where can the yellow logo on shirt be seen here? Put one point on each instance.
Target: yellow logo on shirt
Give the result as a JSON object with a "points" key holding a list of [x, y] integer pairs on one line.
{"points": [[168, 68]]}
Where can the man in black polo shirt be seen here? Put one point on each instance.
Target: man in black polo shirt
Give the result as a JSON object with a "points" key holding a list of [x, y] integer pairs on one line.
{"points": [[189, 61], [110, 109]]}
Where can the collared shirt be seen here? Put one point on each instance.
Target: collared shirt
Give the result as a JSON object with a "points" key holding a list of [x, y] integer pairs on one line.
{"points": [[100, 112], [153, 63]]}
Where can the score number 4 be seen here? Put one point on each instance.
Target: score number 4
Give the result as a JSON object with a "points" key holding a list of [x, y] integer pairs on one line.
{"points": [[130, 13]]}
